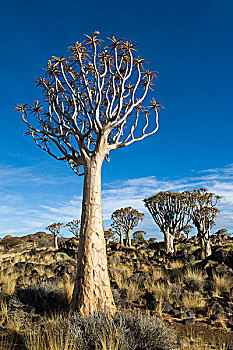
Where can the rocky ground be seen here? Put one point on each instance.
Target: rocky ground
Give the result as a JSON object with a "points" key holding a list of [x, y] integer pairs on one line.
{"points": [[190, 295]]}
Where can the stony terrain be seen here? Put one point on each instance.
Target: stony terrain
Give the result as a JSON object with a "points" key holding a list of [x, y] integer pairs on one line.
{"points": [[191, 296]]}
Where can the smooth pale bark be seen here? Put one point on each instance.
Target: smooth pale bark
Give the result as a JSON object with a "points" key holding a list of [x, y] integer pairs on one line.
{"points": [[92, 286], [205, 245], [128, 241], [169, 241], [121, 240], [55, 242]]}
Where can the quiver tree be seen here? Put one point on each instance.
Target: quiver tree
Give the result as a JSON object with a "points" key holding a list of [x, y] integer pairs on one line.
{"points": [[171, 211], [187, 230], [93, 104], [74, 227], [55, 229], [139, 236], [124, 221], [204, 212], [109, 235], [116, 226]]}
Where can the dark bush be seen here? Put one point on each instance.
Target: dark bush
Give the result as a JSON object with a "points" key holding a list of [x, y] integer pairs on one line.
{"points": [[43, 297], [9, 242]]}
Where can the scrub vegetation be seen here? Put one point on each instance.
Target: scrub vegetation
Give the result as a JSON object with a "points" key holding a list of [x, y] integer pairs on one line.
{"points": [[163, 301]]}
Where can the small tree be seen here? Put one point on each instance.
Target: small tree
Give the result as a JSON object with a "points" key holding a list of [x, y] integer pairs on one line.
{"points": [[222, 232], [203, 216], [171, 211], [187, 230], [109, 235], [116, 226], [124, 221], [55, 229], [139, 236], [93, 104], [74, 227]]}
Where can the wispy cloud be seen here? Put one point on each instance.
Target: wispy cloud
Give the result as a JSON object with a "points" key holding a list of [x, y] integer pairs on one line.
{"points": [[23, 210]]}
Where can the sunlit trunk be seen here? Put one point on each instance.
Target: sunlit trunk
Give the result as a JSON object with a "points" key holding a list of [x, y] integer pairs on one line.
{"points": [[169, 241], [92, 286], [128, 241], [205, 245], [55, 242], [121, 240]]}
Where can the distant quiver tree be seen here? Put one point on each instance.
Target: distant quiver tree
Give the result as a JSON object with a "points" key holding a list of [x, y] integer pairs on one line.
{"points": [[93, 104], [55, 229], [74, 227], [187, 230], [204, 212], [171, 211], [124, 221]]}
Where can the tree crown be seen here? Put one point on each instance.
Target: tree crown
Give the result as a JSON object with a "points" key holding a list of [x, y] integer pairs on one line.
{"points": [[55, 228], [170, 210], [125, 219], [89, 97], [204, 208]]}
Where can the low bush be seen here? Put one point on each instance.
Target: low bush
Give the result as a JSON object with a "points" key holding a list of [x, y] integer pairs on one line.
{"points": [[9, 242], [44, 297], [124, 331]]}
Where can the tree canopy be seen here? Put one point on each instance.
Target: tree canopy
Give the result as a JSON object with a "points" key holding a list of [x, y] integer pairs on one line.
{"points": [[92, 93]]}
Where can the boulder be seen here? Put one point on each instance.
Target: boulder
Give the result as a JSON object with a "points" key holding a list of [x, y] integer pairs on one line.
{"points": [[189, 321]]}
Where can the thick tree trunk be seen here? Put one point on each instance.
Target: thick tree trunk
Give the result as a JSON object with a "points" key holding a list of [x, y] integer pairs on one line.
{"points": [[128, 241], [55, 242], [92, 286], [205, 245], [207, 248], [121, 240], [169, 241]]}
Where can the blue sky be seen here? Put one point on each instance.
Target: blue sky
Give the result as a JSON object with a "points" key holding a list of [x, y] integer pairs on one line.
{"points": [[188, 42]]}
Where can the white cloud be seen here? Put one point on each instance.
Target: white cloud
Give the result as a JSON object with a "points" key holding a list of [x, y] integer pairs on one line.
{"points": [[23, 213]]}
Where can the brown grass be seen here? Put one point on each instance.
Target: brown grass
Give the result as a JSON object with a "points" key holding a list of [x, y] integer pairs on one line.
{"points": [[52, 338], [222, 284], [194, 301]]}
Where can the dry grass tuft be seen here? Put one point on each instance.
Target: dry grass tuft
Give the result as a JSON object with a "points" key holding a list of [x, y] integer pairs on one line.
{"points": [[6, 342], [193, 274], [9, 282], [53, 336], [67, 289], [194, 301], [221, 284]]}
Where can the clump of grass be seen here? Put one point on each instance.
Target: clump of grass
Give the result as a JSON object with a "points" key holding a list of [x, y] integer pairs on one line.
{"points": [[7, 342], [151, 282], [222, 284], [194, 279], [67, 287], [101, 331], [9, 282], [194, 301], [161, 292], [12, 321], [51, 336], [193, 274], [120, 274], [176, 271], [133, 291]]}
